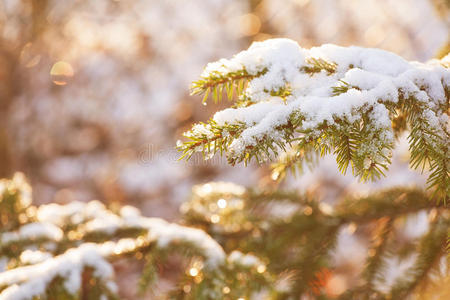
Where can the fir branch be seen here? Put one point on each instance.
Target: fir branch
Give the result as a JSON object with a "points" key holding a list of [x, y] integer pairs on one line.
{"points": [[14, 202], [266, 146], [428, 148], [149, 274], [303, 153], [317, 65], [346, 142], [314, 257], [407, 100], [304, 238], [209, 139], [375, 262], [343, 88], [215, 83], [390, 203], [432, 247], [282, 92]]}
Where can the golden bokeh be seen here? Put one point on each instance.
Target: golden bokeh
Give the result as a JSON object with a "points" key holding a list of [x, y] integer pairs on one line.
{"points": [[61, 72]]}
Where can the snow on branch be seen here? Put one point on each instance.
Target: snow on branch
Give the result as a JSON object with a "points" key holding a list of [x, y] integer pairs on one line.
{"points": [[96, 219], [32, 281], [54, 248], [349, 101], [66, 251]]}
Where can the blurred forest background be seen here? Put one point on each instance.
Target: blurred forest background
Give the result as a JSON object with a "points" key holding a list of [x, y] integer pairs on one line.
{"points": [[94, 94]]}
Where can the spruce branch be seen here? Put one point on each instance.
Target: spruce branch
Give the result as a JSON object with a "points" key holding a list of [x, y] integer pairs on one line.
{"points": [[375, 262], [78, 241], [215, 83], [209, 138], [343, 104], [343, 88], [301, 154], [391, 203], [431, 249], [317, 65], [300, 241]]}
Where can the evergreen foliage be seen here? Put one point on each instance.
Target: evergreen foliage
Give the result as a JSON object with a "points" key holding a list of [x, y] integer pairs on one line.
{"points": [[394, 96], [299, 242]]}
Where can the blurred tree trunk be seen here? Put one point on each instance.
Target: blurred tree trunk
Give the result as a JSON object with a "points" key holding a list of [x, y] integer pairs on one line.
{"points": [[12, 80], [9, 87]]}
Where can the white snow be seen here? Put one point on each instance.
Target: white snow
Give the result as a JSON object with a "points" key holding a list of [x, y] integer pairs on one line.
{"points": [[32, 257], [75, 212], [246, 260], [99, 219], [165, 233], [248, 115], [33, 231]]}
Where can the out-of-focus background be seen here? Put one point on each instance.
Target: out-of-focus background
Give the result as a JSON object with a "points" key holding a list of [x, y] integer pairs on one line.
{"points": [[94, 94]]}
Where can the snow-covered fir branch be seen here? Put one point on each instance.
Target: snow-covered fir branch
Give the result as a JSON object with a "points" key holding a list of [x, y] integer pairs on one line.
{"points": [[53, 248], [349, 101]]}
